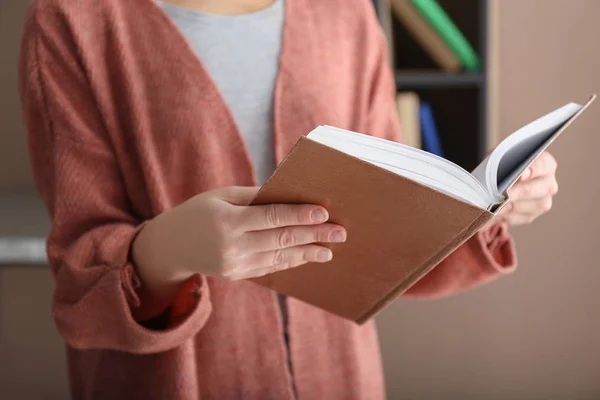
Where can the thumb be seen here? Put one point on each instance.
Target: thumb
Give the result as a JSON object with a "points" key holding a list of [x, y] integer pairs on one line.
{"points": [[238, 195], [526, 174]]}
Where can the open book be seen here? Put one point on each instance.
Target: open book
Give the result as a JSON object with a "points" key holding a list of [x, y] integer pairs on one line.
{"points": [[405, 210], [486, 186]]}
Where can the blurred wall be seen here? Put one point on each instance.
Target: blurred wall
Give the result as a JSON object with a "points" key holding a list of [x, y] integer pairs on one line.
{"points": [[535, 334], [532, 335]]}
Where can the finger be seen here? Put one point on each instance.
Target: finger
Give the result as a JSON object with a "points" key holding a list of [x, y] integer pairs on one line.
{"points": [[255, 273], [544, 165], [532, 207], [238, 195], [534, 189], [516, 219], [257, 218], [526, 174], [282, 238], [268, 262], [259, 264]]}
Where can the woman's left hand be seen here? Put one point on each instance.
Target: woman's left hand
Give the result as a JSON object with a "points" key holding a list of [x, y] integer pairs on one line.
{"points": [[531, 196]]}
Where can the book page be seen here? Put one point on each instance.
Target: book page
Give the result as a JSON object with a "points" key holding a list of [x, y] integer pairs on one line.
{"points": [[415, 164], [514, 154], [517, 159]]}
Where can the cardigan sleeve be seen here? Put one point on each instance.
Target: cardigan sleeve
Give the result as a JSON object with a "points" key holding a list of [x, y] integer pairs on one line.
{"points": [[93, 225], [487, 256], [490, 253]]}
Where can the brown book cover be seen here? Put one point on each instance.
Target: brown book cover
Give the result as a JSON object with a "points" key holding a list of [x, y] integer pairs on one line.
{"points": [[398, 229], [425, 35]]}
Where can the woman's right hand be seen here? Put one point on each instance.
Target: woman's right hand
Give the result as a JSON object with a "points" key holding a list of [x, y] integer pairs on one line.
{"points": [[218, 234]]}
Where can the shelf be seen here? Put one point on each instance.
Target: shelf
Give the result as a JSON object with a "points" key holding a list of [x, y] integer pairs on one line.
{"points": [[415, 80], [25, 226]]}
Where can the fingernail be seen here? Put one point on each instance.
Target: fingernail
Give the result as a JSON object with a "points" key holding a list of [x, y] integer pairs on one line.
{"points": [[527, 173], [337, 236], [324, 255], [318, 215]]}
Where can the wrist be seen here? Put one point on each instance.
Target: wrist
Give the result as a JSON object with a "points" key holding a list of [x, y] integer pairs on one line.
{"points": [[144, 255], [159, 285]]}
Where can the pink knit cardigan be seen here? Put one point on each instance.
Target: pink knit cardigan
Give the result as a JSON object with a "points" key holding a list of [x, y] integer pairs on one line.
{"points": [[124, 123]]}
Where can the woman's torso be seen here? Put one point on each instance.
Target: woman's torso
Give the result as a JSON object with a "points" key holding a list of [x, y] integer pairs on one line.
{"points": [[174, 136]]}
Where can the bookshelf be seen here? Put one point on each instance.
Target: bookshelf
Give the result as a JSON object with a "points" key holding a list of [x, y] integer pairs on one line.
{"points": [[407, 80], [458, 99]]}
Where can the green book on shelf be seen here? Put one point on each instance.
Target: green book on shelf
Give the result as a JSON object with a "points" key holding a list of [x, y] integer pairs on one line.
{"points": [[443, 25]]}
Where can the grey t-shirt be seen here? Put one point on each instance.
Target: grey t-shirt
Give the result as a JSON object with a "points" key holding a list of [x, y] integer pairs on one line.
{"points": [[241, 54]]}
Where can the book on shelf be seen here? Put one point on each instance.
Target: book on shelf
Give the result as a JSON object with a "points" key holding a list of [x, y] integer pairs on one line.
{"points": [[425, 35], [404, 209], [410, 121], [429, 132], [439, 20]]}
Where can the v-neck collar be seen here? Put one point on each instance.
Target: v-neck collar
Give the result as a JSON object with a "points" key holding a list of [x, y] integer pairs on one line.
{"points": [[196, 62]]}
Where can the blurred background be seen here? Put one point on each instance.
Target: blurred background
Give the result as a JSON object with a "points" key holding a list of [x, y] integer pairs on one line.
{"points": [[483, 70]]}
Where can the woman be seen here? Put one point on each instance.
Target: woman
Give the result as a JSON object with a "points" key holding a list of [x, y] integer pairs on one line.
{"points": [[150, 125]]}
